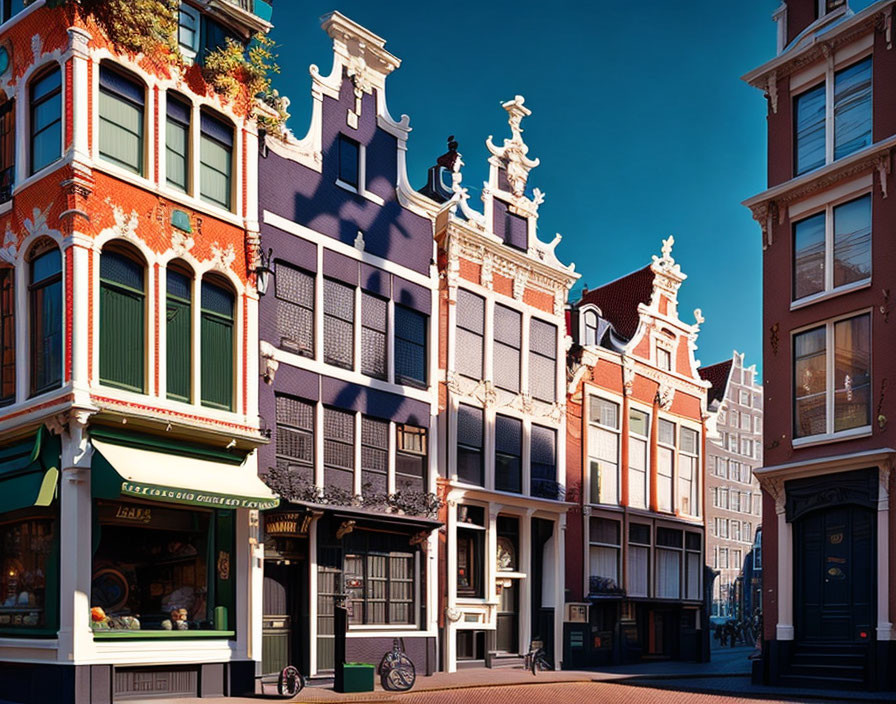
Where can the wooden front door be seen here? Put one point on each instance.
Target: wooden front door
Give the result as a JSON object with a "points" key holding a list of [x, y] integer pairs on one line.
{"points": [[507, 630], [834, 574], [282, 632]]}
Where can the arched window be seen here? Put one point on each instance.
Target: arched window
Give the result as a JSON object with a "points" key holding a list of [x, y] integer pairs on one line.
{"points": [[216, 160], [121, 106], [590, 321], [7, 336], [45, 314], [217, 344], [122, 318], [179, 332], [46, 119]]}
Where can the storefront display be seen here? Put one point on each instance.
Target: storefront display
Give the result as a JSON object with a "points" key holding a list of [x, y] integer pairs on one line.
{"points": [[157, 568], [26, 557]]}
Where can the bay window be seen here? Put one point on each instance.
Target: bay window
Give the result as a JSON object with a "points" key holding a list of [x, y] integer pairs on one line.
{"points": [[46, 119], [638, 425], [294, 293], [410, 346], [470, 431], [832, 377], [508, 454], [470, 334], [215, 161], [603, 450], [121, 120], [832, 249], [542, 360], [7, 336], [217, 345], [825, 132], [122, 318], [179, 334], [508, 331]]}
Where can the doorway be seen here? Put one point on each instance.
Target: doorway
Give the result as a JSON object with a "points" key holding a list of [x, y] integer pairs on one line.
{"points": [[835, 574], [284, 624]]}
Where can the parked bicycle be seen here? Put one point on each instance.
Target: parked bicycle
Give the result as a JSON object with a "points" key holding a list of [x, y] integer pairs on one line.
{"points": [[397, 673], [536, 659]]}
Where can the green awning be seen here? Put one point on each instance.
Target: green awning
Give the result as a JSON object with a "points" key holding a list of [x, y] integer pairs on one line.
{"points": [[161, 473], [29, 472]]}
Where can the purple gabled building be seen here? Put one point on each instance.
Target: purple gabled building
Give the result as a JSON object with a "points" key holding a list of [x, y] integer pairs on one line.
{"points": [[348, 338]]}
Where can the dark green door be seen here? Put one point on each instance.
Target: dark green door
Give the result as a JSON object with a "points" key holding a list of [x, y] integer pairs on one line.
{"points": [[834, 574], [507, 631], [282, 639]]}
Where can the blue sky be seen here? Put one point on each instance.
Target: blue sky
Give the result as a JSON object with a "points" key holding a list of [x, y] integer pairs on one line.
{"points": [[640, 119]]}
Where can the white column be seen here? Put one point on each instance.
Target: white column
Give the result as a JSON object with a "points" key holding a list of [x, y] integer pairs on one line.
{"points": [[81, 252], [450, 653], [884, 625], [784, 629], [491, 552], [75, 544], [312, 596], [255, 597], [196, 324]]}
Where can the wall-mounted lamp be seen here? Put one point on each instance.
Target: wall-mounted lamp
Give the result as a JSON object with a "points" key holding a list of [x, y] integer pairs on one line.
{"points": [[263, 272]]}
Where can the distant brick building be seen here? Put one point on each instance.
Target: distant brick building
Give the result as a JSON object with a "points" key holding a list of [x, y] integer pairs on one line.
{"points": [[733, 506]]}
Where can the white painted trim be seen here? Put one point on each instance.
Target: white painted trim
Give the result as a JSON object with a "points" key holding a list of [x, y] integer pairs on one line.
{"points": [[824, 439], [841, 193], [827, 295]]}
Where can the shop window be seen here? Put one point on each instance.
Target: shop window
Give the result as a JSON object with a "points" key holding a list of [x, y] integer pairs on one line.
{"points": [[215, 160], [469, 334], [7, 335], [543, 461], [603, 450], [508, 454], [374, 311], [121, 120], [45, 316], [158, 568], [665, 465], [410, 347], [508, 332], [604, 552], [7, 149], [295, 438], [638, 559], [339, 322], [638, 426], [179, 333], [410, 459], [688, 475], [217, 345], [177, 142], [469, 444], [470, 551], [122, 333], [339, 450], [374, 456], [294, 290], [349, 161], [832, 370], [542, 360], [28, 550], [46, 119]]}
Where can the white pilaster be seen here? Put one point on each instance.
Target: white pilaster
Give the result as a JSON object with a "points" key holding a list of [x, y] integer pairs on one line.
{"points": [[451, 587], [884, 625], [784, 630]]}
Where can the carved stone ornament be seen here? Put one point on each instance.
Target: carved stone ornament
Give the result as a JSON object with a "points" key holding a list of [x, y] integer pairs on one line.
{"points": [[125, 223], [772, 91], [9, 251], [269, 364], [519, 283], [181, 242], [514, 152], [222, 257], [453, 614], [664, 395], [485, 276], [883, 170], [628, 375]]}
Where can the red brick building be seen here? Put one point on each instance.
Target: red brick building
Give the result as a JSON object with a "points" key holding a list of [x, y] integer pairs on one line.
{"points": [[635, 468], [826, 222]]}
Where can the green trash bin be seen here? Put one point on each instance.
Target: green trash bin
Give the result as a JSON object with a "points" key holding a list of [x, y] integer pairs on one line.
{"points": [[357, 677]]}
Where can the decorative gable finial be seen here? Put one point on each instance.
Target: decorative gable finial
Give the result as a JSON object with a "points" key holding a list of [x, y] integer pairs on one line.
{"points": [[513, 153], [668, 274], [667, 248]]}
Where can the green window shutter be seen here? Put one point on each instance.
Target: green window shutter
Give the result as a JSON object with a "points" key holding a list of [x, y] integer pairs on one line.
{"points": [[122, 328], [179, 348], [217, 347]]}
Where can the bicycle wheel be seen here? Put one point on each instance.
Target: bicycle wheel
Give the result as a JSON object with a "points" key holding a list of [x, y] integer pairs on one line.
{"points": [[290, 682]]}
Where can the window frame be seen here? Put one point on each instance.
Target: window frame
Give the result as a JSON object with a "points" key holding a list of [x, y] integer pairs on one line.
{"points": [[672, 449], [41, 249], [421, 455], [830, 392], [597, 424], [534, 353], [7, 335], [400, 339], [33, 104], [603, 545], [309, 433], [207, 314], [645, 439], [179, 123], [189, 51], [506, 454], [124, 251], [366, 366], [461, 323], [470, 448], [280, 296], [358, 182], [126, 76], [8, 136], [328, 356], [208, 122], [178, 269], [694, 498]]}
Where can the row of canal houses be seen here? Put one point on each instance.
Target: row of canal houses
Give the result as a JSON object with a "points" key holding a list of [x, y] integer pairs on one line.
{"points": [[246, 375]]}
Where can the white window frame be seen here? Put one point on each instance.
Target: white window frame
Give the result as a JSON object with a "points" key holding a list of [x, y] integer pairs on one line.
{"points": [[618, 433], [647, 459], [829, 435], [361, 189]]}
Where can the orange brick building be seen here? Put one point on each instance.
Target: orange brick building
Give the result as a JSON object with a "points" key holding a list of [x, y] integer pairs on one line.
{"points": [[635, 468]]}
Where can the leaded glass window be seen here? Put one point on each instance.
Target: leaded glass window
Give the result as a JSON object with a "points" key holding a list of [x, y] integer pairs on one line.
{"points": [[295, 437], [374, 312], [339, 449], [410, 346], [508, 331], [470, 334], [294, 291], [339, 324]]}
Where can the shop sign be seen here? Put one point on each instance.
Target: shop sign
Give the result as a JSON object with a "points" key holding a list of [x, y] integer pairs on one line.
{"points": [[196, 498], [287, 524]]}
